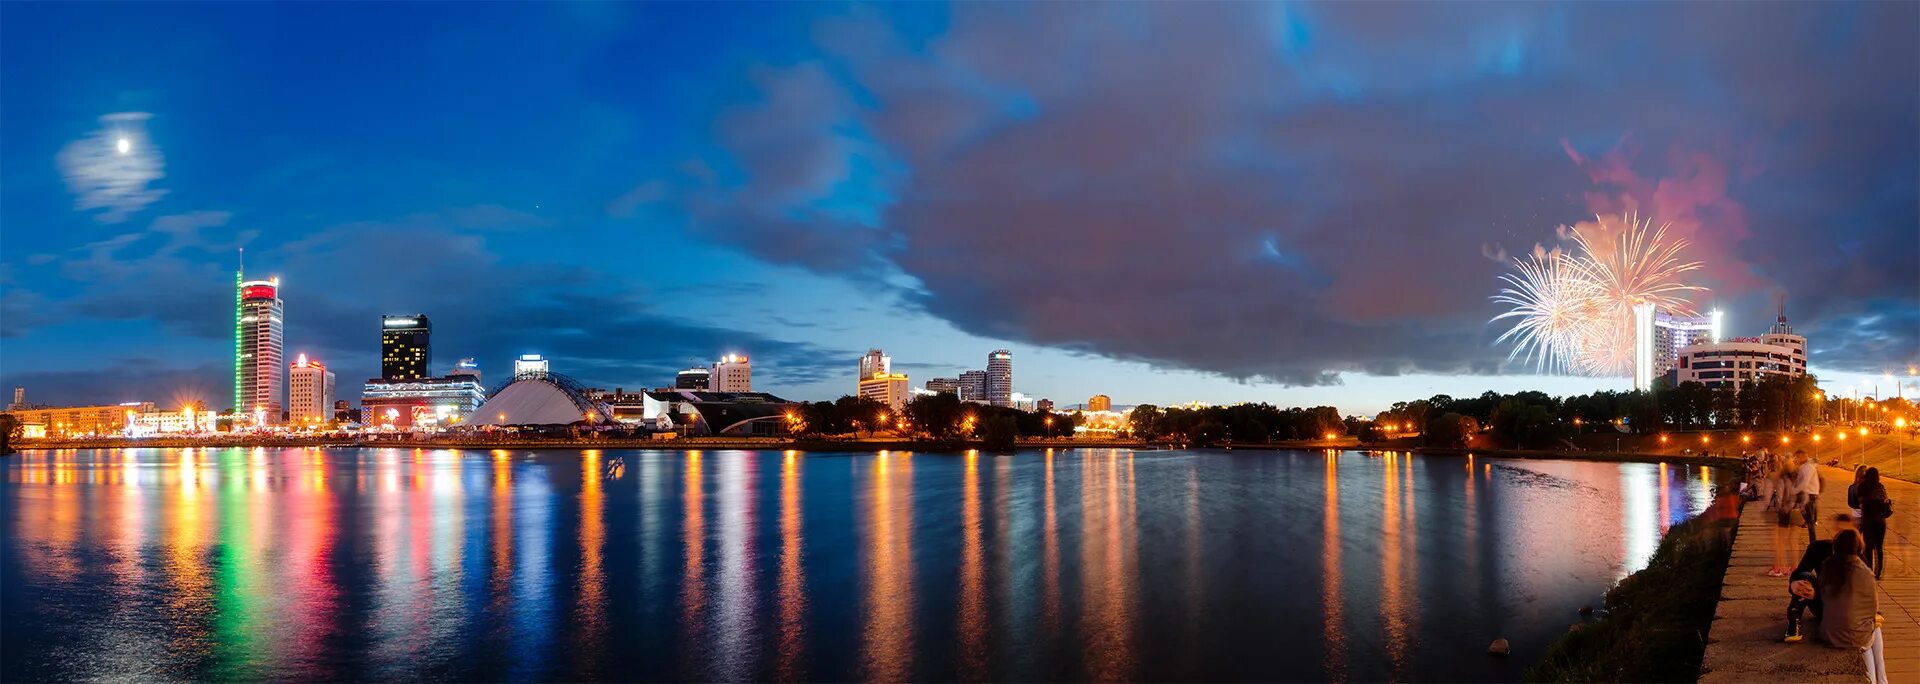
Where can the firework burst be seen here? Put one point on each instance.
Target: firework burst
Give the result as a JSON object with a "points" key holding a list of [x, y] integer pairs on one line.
{"points": [[1572, 309]]}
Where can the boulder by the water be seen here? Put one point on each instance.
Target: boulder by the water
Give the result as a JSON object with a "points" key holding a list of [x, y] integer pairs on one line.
{"points": [[1499, 647]]}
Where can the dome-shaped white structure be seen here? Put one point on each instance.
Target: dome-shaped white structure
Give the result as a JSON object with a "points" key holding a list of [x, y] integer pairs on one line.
{"points": [[544, 399]]}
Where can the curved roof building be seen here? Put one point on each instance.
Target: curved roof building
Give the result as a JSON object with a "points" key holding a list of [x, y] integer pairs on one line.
{"points": [[540, 399]]}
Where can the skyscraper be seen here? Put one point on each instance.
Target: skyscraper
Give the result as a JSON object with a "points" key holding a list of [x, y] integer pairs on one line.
{"points": [[310, 396], [1000, 378], [406, 352], [973, 385], [259, 380], [1100, 402]]}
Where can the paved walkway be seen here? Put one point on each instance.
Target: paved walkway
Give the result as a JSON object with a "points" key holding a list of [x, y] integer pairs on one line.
{"points": [[1744, 642]]}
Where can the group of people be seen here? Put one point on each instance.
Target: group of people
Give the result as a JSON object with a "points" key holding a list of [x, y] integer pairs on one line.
{"points": [[1836, 577]]}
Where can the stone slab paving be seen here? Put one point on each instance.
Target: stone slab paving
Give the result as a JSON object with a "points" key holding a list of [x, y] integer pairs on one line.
{"points": [[1743, 645]]}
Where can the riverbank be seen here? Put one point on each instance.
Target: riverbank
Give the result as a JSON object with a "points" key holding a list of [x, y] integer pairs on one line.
{"points": [[836, 445], [1654, 624]]}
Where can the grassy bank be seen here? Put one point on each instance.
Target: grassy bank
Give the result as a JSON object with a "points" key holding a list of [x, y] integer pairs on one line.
{"points": [[1655, 624]]}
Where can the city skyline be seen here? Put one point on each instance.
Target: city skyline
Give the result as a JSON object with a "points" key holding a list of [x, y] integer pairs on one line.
{"points": [[626, 223]]}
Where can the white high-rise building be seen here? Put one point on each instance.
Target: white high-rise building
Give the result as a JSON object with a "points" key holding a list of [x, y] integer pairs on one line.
{"points": [[1000, 378], [310, 396], [876, 362], [259, 369], [732, 373], [1658, 337]]}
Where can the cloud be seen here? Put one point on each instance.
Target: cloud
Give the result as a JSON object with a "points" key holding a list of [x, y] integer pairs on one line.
{"points": [[1291, 193], [106, 178], [126, 380]]}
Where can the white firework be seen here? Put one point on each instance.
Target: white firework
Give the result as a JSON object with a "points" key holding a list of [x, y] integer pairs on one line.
{"points": [[1573, 309]]}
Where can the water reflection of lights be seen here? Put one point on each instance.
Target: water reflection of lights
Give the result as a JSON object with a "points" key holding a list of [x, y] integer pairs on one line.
{"points": [[972, 619], [887, 644], [735, 604], [792, 590], [1332, 596]]}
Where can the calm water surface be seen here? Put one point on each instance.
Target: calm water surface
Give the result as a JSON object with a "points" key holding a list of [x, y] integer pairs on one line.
{"points": [[383, 564]]}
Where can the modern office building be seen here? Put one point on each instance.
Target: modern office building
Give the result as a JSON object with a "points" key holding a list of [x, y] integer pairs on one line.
{"points": [[310, 393], [1658, 337], [1000, 378], [1100, 402], [1043, 405], [973, 386], [529, 366], [944, 386], [406, 349], [696, 378], [891, 389], [1741, 360], [259, 368], [19, 399], [732, 373]]}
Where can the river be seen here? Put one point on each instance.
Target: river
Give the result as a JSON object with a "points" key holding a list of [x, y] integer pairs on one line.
{"points": [[384, 564]]}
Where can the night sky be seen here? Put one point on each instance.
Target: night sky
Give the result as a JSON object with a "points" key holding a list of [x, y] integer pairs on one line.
{"points": [[1299, 204]]}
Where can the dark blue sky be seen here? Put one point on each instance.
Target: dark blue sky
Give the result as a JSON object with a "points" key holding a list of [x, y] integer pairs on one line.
{"points": [[1161, 202]]}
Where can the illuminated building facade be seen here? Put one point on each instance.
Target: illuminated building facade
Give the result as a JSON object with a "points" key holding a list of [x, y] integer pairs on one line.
{"points": [[1741, 360], [732, 373], [530, 366], [259, 380], [406, 349], [310, 392], [891, 389], [84, 421], [944, 386], [1658, 337], [186, 421], [420, 404], [1000, 378], [1100, 402]]}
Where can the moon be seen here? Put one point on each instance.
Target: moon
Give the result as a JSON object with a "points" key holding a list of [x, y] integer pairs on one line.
{"points": [[123, 145]]}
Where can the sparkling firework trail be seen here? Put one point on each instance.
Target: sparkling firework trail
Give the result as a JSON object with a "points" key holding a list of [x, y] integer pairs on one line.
{"points": [[1573, 309]]}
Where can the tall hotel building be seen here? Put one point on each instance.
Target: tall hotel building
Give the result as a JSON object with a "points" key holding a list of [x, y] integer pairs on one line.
{"points": [[406, 352], [310, 399], [1738, 361], [879, 383], [259, 338], [1658, 337], [1000, 378], [732, 373]]}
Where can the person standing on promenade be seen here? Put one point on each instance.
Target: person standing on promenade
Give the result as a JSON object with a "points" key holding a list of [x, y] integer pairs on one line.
{"points": [[1807, 484], [1803, 588], [1853, 493], [1851, 617], [1875, 508], [1784, 510]]}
